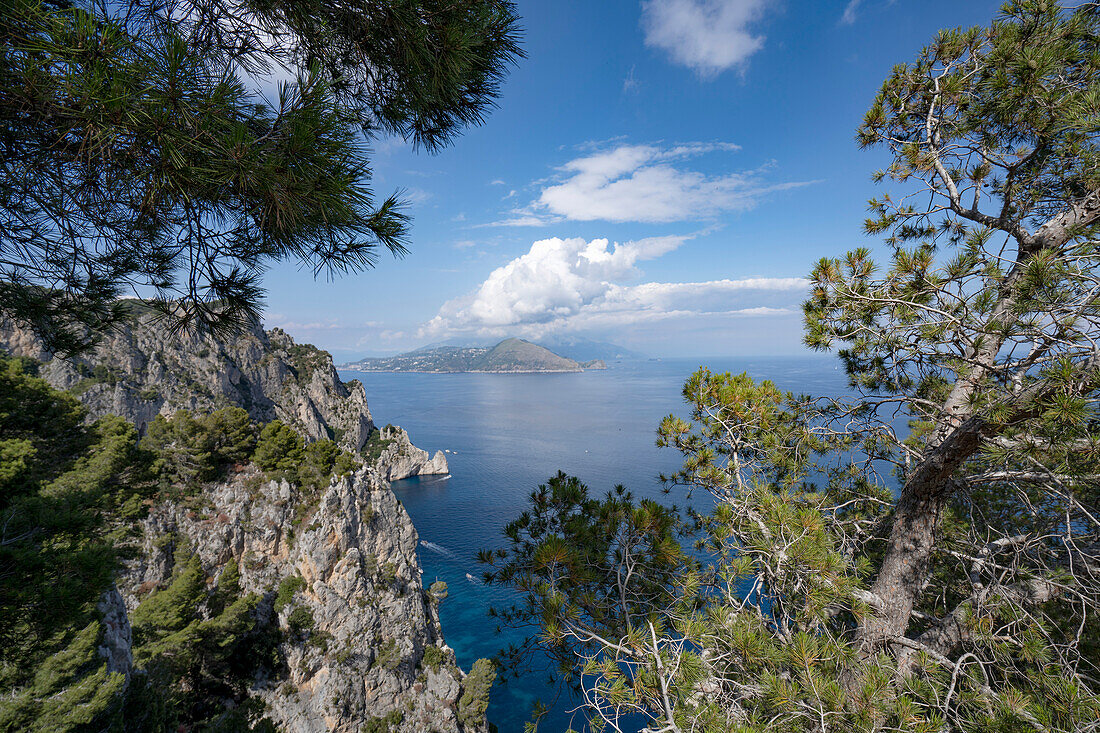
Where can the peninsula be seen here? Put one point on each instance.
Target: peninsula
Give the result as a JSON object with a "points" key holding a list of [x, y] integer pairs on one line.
{"points": [[509, 356]]}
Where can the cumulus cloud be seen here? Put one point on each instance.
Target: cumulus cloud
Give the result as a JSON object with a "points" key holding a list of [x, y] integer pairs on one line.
{"points": [[708, 36], [644, 183], [573, 284]]}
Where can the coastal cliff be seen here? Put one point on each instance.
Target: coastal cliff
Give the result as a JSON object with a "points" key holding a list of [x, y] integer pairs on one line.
{"points": [[359, 641], [267, 581], [146, 369]]}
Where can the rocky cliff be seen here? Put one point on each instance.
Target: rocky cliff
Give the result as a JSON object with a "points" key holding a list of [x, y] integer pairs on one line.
{"points": [[371, 656], [147, 369]]}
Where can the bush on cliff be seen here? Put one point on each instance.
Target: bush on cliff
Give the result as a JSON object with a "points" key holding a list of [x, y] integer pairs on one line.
{"points": [[201, 649], [192, 449], [59, 482], [282, 454]]}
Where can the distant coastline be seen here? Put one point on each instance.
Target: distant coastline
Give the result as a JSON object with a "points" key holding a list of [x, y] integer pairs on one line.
{"points": [[354, 368], [511, 356]]}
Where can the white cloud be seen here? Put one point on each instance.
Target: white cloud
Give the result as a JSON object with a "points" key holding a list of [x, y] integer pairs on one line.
{"points": [[850, 11], [644, 183], [415, 196], [573, 284], [630, 84], [708, 36], [521, 218]]}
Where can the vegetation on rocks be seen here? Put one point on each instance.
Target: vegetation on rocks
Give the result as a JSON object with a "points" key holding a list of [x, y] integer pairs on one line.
{"points": [[69, 496], [475, 692], [194, 662], [60, 483]]}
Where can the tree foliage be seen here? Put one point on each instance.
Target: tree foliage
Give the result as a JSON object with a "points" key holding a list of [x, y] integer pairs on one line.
{"points": [[59, 482], [136, 155], [70, 498], [194, 449], [860, 575], [193, 662]]}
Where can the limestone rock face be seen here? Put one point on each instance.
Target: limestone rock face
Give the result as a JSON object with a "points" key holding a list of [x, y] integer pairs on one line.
{"points": [[117, 641], [147, 368], [354, 547], [401, 459]]}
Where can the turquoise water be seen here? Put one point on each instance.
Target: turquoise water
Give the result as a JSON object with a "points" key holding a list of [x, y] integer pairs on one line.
{"points": [[509, 432]]}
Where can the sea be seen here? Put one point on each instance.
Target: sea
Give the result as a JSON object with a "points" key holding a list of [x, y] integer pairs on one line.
{"points": [[503, 435]]}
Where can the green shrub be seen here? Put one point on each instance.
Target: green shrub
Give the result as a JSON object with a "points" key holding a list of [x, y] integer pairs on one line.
{"points": [[287, 588], [475, 693], [321, 460], [385, 724], [279, 449], [300, 620], [433, 658], [387, 655], [193, 449], [199, 648]]}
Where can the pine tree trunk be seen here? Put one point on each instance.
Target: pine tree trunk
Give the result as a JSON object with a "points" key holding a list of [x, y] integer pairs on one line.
{"points": [[908, 556]]}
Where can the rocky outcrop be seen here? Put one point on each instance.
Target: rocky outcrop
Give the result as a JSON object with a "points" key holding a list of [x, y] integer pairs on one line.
{"points": [[146, 369], [353, 548], [401, 459], [116, 641]]}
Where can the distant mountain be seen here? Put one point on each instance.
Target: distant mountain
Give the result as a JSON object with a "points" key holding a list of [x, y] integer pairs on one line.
{"points": [[510, 355], [583, 349]]}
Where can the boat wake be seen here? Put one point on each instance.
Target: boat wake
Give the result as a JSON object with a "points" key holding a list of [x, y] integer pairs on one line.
{"points": [[438, 549]]}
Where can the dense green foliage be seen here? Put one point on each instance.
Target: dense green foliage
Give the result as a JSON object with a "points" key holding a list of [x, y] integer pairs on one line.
{"points": [[194, 449], [70, 495], [855, 575], [281, 453], [474, 700], [134, 156], [59, 481], [193, 662]]}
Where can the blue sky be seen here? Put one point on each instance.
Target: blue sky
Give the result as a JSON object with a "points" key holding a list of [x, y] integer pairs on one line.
{"points": [[659, 174]]}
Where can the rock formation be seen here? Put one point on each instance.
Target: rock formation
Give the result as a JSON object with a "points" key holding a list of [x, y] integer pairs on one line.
{"points": [[374, 651], [147, 369], [333, 571], [401, 459]]}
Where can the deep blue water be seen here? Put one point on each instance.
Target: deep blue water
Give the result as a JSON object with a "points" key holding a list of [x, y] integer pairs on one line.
{"points": [[507, 433]]}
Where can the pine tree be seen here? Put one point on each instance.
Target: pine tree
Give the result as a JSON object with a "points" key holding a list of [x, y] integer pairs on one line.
{"points": [[858, 577], [136, 156]]}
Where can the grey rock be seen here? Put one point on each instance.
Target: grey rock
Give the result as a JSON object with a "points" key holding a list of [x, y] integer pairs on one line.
{"points": [[116, 641], [401, 459], [355, 548], [146, 369]]}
